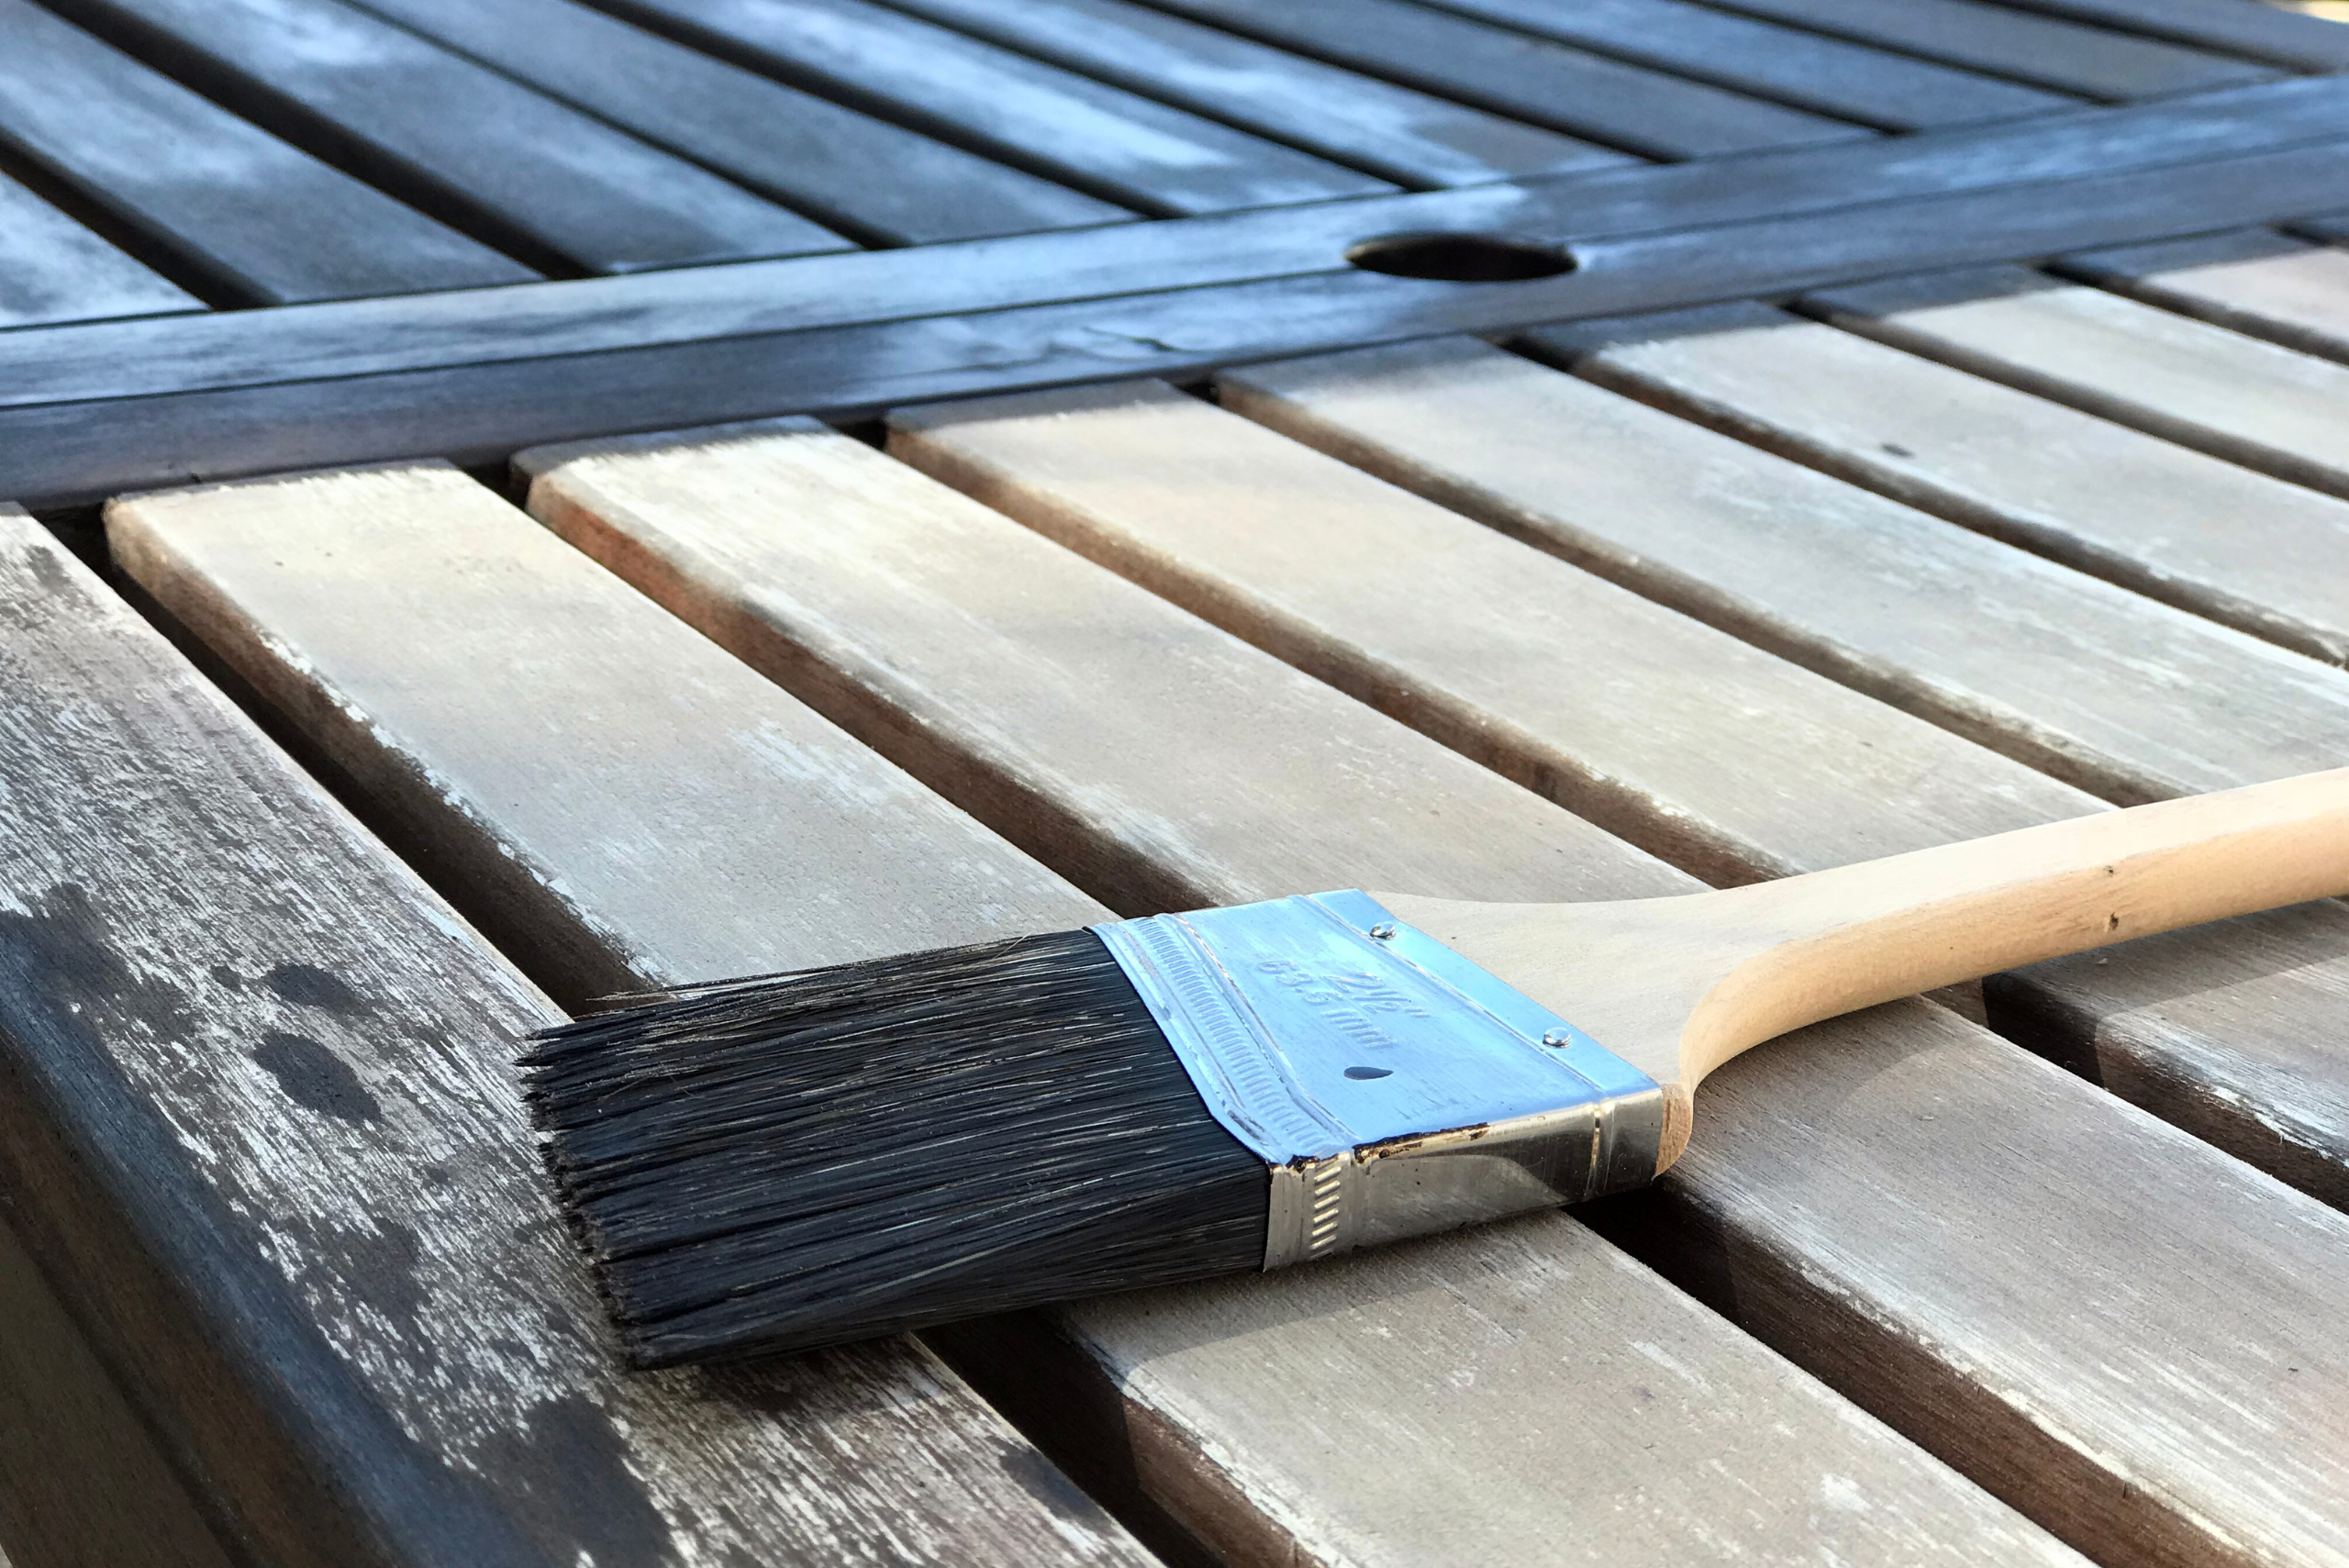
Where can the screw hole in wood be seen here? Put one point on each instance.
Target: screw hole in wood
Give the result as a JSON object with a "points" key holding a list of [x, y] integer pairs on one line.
{"points": [[1460, 258]]}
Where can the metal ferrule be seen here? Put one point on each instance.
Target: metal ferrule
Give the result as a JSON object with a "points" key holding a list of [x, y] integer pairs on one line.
{"points": [[1394, 1087]]}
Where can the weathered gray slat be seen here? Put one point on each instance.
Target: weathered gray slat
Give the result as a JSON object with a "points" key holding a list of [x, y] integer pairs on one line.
{"points": [[2125, 697], [2049, 51], [1522, 447], [53, 269], [2187, 381], [476, 409], [263, 1134], [2208, 535], [807, 152], [450, 135], [1258, 532], [1120, 146], [1584, 94], [1409, 137], [584, 315], [2253, 281], [2255, 31], [1824, 74], [261, 217]]}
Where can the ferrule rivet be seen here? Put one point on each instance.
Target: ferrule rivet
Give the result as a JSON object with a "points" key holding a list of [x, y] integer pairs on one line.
{"points": [[1557, 1037], [1383, 930]]}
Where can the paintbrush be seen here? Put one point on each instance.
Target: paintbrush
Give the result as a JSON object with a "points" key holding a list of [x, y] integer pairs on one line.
{"points": [[797, 1160]]}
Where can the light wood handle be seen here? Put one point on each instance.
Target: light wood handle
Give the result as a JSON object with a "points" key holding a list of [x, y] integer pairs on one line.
{"points": [[1830, 941]]}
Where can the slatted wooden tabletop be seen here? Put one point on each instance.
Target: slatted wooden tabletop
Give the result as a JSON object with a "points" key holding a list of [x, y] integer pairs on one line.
{"points": [[603, 494]]}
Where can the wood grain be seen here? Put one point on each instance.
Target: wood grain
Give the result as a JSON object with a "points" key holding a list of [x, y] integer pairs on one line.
{"points": [[1414, 139], [806, 151], [1456, 1360], [1790, 66], [52, 270], [2159, 518], [2189, 382], [1641, 111], [2053, 52], [2255, 280], [2147, 1468], [2257, 32], [1116, 144], [454, 138], [2129, 699], [263, 1137], [267, 223]]}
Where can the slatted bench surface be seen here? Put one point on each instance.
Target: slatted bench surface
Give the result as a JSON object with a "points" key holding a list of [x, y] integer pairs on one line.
{"points": [[1927, 425]]}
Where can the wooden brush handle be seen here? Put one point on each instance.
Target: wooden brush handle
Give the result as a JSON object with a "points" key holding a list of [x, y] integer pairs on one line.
{"points": [[1811, 947]]}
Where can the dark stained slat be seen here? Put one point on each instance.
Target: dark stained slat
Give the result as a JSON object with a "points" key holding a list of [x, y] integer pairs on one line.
{"points": [[53, 452], [1580, 94], [263, 1134], [1404, 134], [448, 134], [131, 360], [53, 269], [1122, 146], [266, 221], [2241, 27], [846, 168], [2071, 56], [1828, 75]]}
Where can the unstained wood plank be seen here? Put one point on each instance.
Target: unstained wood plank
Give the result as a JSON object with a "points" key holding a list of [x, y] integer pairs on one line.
{"points": [[1827, 75], [2070, 56], [1412, 138], [1183, 757], [52, 270], [534, 175], [261, 220], [1117, 144], [2202, 385], [2257, 31], [2121, 695], [264, 1138], [2257, 554], [852, 170], [1259, 533], [2252, 280], [1571, 90]]}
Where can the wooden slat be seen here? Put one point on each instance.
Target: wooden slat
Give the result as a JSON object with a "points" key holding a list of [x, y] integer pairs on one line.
{"points": [[1161, 756], [2253, 281], [2159, 518], [1581, 94], [53, 269], [580, 316], [446, 134], [1120, 146], [863, 175], [2225, 1034], [265, 220], [2186, 381], [55, 454], [1785, 1216], [1409, 137], [2053, 52], [263, 1134], [1556, 678], [1827, 75], [2130, 699], [2254, 31]]}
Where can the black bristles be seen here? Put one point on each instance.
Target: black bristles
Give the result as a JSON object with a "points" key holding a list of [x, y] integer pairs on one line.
{"points": [[799, 1160]]}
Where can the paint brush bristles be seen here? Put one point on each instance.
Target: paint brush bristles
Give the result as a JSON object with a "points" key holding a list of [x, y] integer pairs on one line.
{"points": [[794, 1161]]}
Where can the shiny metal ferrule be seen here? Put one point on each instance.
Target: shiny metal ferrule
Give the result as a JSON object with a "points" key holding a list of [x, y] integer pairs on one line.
{"points": [[1394, 1087]]}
